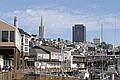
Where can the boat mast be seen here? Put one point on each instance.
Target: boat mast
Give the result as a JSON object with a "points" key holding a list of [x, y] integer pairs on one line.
{"points": [[102, 48]]}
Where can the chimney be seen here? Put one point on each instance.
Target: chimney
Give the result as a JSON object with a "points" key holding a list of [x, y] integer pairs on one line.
{"points": [[16, 21]]}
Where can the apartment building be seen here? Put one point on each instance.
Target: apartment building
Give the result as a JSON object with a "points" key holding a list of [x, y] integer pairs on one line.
{"points": [[24, 47]]}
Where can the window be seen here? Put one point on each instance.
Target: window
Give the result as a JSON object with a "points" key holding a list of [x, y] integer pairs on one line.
{"points": [[37, 64], [12, 38], [4, 36], [8, 36], [26, 48], [40, 56], [26, 40], [21, 47], [26, 54], [22, 39]]}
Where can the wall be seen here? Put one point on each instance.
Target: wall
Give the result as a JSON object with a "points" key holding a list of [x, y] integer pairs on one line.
{"points": [[1, 61], [18, 39]]}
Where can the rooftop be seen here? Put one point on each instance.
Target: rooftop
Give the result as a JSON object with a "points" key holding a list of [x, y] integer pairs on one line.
{"points": [[37, 50], [23, 32], [50, 49]]}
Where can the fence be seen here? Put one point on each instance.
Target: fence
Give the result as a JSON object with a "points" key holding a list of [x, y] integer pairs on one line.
{"points": [[20, 75], [48, 77], [11, 75]]}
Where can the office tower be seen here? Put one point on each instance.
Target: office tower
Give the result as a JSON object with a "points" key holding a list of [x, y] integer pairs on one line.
{"points": [[41, 29], [79, 33]]}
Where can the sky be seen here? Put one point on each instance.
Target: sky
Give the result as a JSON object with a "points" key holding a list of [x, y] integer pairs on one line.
{"points": [[60, 15]]}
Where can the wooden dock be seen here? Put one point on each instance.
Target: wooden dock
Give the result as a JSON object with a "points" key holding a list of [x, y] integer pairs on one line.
{"points": [[21, 75]]}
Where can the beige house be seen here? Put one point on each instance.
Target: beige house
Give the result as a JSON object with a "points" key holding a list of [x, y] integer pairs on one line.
{"points": [[38, 57], [10, 44], [47, 57]]}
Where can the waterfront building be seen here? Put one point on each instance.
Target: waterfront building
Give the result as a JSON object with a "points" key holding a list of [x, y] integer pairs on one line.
{"points": [[10, 44], [79, 33], [38, 57], [46, 57]]}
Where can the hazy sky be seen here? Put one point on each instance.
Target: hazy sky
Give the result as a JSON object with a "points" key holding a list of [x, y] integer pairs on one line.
{"points": [[60, 15]]}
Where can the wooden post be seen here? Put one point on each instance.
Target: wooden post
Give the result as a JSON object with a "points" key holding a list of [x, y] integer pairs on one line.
{"points": [[18, 60], [23, 63], [15, 59]]}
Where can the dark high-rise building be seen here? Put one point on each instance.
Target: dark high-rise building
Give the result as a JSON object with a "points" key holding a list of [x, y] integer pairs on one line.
{"points": [[41, 29], [79, 33]]}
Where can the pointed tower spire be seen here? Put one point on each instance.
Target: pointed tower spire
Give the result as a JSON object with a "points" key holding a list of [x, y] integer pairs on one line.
{"points": [[41, 22], [41, 29]]}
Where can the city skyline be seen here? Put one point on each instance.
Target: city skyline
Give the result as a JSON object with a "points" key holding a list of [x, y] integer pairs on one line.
{"points": [[60, 15]]}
